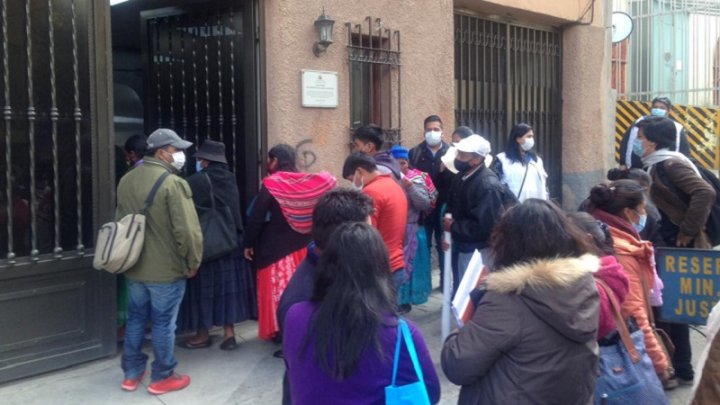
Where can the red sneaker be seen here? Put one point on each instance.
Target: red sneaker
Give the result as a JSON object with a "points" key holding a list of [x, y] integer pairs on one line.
{"points": [[131, 384], [173, 383]]}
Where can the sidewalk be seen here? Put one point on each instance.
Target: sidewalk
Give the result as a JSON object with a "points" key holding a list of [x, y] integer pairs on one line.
{"points": [[248, 375]]}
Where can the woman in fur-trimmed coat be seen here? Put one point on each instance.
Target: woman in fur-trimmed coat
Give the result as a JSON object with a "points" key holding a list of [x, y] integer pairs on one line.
{"points": [[532, 337]]}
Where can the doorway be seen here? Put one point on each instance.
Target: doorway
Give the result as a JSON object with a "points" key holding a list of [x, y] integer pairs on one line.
{"points": [[191, 68]]}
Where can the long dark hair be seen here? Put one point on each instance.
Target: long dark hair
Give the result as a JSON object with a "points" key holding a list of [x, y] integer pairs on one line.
{"points": [[285, 155], [536, 229], [597, 230], [512, 148], [353, 294], [616, 196]]}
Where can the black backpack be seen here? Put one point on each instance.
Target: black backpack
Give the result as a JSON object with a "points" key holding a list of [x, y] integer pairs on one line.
{"points": [[712, 225]]}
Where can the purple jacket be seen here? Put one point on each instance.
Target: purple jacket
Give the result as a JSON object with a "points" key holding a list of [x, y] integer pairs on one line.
{"points": [[310, 385]]}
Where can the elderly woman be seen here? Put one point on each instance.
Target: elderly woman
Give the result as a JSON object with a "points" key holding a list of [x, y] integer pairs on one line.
{"points": [[532, 336], [278, 229]]}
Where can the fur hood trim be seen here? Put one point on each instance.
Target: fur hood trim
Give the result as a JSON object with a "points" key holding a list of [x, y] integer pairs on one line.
{"points": [[546, 273]]}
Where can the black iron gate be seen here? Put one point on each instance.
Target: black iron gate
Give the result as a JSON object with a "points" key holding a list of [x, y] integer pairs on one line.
{"points": [[55, 185], [507, 74], [199, 65]]}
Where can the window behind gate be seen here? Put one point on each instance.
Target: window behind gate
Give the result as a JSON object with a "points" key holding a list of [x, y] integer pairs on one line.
{"points": [[374, 57], [46, 204], [507, 74]]}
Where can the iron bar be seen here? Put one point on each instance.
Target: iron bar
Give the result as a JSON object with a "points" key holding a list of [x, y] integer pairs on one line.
{"points": [[220, 35], [233, 116], [195, 85], [168, 23], [31, 115], [7, 116], [57, 251], [183, 86], [77, 116], [157, 56], [208, 119]]}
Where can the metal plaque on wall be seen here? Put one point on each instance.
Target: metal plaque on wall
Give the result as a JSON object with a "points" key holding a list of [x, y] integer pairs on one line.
{"points": [[319, 89]]}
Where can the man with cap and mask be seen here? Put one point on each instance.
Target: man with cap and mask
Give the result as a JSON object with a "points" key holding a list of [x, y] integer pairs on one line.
{"points": [[661, 107], [172, 252], [475, 202]]}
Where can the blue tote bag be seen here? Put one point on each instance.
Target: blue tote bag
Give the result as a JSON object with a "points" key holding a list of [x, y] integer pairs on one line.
{"points": [[410, 394], [626, 373]]}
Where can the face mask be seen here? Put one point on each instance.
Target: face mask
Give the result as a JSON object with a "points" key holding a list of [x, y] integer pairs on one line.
{"points": [[637, 147], [198, 166], [528, 144], [178, 160], [641, 223], [355, 186], [433, 138], [462, 167], [658, 112]]}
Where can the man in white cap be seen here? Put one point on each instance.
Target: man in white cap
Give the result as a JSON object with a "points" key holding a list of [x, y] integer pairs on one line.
{"points": [[475, 202], [172, 252]]}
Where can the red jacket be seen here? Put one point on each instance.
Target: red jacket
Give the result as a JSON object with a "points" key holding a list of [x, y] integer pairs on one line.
{"points": [[612, 273], [389, 216]]}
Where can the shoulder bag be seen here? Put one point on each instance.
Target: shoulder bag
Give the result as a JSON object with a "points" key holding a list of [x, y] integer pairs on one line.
{"points": [[119, 243], [626, 373], [409, 394], [218, 228]]}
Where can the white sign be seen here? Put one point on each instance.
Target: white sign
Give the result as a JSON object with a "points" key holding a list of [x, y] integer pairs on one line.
{"points": [[319, 89]]}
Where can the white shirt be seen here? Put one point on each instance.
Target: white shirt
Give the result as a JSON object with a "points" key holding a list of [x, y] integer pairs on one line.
{"points": [[535, 185]]}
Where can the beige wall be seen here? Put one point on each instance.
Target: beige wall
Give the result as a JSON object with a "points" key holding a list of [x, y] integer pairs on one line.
{"points": [[426, 29], [549, 12]]}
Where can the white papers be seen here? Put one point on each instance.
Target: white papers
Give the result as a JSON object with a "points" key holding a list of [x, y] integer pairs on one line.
{"points": [[462, 305]]}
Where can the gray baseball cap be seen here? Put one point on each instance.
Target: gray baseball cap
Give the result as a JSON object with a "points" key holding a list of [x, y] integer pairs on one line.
{"points": [[163, 137]]}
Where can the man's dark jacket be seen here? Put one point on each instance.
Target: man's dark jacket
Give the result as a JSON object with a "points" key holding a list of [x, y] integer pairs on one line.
{"points": [[476, 204]]}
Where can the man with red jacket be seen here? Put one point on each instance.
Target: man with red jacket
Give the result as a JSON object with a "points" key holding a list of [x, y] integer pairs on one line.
{"points": [[390, 207]]}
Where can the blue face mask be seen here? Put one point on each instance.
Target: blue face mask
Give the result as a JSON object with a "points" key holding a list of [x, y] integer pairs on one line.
{"points": [[637, 147], [198, 166], [641, 222], [658, 112]]}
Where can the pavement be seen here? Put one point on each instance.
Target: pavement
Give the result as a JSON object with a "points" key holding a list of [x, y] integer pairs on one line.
{"points": [[248, 375]]}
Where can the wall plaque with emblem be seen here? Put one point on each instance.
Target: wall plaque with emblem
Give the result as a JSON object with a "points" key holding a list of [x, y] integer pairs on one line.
{"points": [[319, 89]]}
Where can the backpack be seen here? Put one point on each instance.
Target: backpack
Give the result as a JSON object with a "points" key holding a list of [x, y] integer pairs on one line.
{"points": [[712, 225], [119, 243]]}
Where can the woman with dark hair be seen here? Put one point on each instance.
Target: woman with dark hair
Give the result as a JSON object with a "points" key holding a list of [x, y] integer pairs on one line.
{"points": [[532, 336], [621, 205], [521, 168], [339, 347], [610, 271], [278, 229]]}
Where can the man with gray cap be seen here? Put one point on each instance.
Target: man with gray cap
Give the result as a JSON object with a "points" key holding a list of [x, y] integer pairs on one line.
{"points": [[172, 252], [475, 202]]}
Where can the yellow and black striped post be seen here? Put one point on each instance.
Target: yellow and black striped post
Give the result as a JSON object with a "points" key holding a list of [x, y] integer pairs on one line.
{"points": [[702, 125]]}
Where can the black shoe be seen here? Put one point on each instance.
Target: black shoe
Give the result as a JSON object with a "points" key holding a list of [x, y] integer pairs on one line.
{"points": [[278, 354], [404, 309]]}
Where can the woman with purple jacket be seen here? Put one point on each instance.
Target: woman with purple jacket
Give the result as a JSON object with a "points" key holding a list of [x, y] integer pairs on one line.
{"points": [[339, 346]]}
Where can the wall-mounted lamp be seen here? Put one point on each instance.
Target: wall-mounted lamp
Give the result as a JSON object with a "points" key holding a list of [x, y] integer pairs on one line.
{"points": [[324, 26]]}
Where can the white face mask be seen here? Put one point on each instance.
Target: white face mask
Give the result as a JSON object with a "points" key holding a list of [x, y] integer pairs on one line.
{"points": [[178, 160], [355, 185], [433, 138], [528, 144]]}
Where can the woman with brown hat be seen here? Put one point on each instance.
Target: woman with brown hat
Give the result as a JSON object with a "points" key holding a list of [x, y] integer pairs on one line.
{"points": [[223, 291]]}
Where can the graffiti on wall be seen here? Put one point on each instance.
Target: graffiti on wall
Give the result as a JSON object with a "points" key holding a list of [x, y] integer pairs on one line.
{"points": [[306, 156]]}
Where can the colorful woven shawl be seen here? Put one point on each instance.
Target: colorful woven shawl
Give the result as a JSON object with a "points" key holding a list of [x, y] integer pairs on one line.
{"points": [[417, 176], [297, 194]]}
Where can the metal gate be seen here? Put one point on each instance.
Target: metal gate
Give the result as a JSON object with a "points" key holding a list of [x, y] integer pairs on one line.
{"points": [[199, 72], [507, 74], [55, 185]]}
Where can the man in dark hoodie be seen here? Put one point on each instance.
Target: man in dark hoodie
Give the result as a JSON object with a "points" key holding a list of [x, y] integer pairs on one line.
{"points": [[370, 140]]}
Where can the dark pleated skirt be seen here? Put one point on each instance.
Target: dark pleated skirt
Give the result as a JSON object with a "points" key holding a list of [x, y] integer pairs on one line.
{"points": [[222, 293]]}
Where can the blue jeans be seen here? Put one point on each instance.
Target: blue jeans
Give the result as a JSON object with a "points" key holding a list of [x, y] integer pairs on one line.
{"points": [[160, 303]]}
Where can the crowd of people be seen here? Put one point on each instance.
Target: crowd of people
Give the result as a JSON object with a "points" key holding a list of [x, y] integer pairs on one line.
{"points": [[334, 268]]}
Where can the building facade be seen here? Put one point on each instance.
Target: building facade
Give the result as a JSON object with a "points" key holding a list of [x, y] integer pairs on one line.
{"points": [[79, 77]]}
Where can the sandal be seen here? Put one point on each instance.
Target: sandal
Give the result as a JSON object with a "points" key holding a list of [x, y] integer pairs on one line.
{"points": [[229, 344], [189, 344]]}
